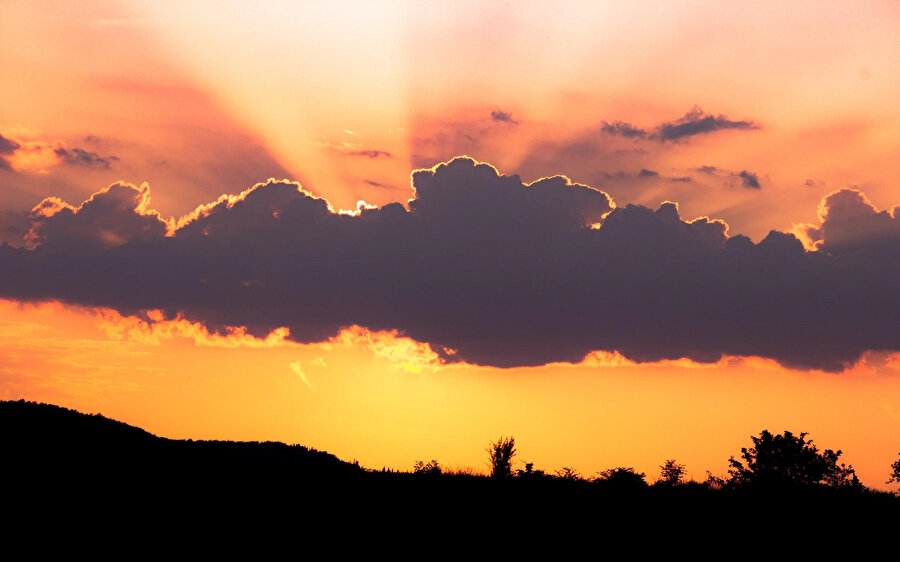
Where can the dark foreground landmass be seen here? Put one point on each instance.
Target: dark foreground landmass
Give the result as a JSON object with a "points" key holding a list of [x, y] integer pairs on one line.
{"points": [[65, 469]]}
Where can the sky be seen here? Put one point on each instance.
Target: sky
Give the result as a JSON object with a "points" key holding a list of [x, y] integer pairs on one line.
{"points": [[395, 231]]}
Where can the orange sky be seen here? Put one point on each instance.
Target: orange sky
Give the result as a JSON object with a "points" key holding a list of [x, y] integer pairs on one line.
{"points": [[202, 99]]}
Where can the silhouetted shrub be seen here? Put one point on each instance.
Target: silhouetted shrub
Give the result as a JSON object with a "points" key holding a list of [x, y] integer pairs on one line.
{"points": [[623, 477], [789, 459], [501, 454], [530, 472], [431, 468]]}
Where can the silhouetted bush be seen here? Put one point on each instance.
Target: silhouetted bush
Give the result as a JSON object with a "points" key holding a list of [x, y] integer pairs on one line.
{"points": [[431, 468], [501, 454], [530, 472], [789, 459], [623, 477]]}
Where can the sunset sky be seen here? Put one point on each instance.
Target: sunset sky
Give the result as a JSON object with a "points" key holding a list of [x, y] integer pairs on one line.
{"points": [[668, 226]]}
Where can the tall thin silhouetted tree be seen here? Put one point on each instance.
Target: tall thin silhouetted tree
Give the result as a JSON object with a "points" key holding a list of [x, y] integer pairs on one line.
{"points": [[502, 452]]}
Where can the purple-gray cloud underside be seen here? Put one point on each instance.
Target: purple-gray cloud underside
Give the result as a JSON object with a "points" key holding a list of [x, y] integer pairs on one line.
{"points": [[505, 274]]}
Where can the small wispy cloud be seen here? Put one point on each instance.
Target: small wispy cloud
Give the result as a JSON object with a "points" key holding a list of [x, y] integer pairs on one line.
{"points": [[297, 367], [503, 117]]}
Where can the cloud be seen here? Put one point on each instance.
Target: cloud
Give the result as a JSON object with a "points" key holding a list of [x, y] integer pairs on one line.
{"points": [[347, 148], [368, 153], [749, 179], [644, 174], [111, 217], [297, 367], [850, 224], [696, 122], [13, 227], [7, 146], [503, 117], [622, 129], [374, 183], [79, 157], [18, 154], [479, 267]]}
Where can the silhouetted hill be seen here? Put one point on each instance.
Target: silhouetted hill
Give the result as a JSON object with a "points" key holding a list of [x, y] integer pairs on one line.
{"points": [[62, 445], [23, 423], [74, 469]]}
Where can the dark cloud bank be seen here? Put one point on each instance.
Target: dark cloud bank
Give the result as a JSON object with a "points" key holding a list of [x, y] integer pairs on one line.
{"points": [[503, 273]]}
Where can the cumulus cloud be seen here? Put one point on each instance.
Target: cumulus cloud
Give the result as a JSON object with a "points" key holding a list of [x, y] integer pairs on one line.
{"points": [[696, 122], [111, 217], [482, 268], [850, 223]]}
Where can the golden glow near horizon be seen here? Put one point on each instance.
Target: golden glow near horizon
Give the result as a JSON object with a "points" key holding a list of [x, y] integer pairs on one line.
{"points": [[384, 402], [203, 98]]}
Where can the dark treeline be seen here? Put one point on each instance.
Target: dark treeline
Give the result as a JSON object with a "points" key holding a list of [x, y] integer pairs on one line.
{"points": [[66, 467]]}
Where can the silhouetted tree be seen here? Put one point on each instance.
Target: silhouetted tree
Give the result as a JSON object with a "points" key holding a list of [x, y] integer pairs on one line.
{"points": [[430, 468], [501, 453], [895, 474], [789, 459], [671, 473]]}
